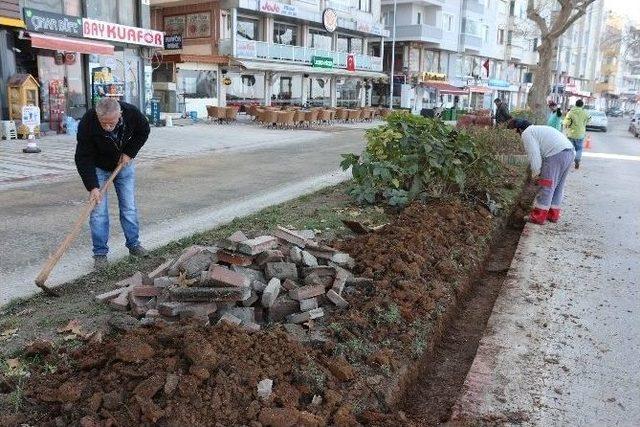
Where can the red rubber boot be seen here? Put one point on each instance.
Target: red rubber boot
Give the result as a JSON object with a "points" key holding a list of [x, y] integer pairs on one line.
{"points": [[553, 215], [538, 216]]}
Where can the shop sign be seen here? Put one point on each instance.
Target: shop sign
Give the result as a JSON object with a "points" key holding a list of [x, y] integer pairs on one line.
{"points": [[101, 30], [173, 42], [369, 28], [498, 83], [330, 20], [351, 62], [269, 6], [246, 49], [227, 81], [322, 62], [47, 22], [434, 77], [31, 116]]}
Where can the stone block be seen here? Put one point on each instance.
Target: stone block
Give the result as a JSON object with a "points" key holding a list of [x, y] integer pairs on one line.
{"points": [[174, 269], [282, 307], [250, 273], [308, 304], [258, 286], [281, 270], [271, 292], [164, 282], [257, 245], [290, 236], [231, 243], [289, 285], [343, 260], [171, 309], [295, 253], [251, 300], [234, 258], [245, 314], [306, 292], [337, 299], [309, 260], [271, 255], [220, 276], [306, 316], [230, 319], [196, 264]]}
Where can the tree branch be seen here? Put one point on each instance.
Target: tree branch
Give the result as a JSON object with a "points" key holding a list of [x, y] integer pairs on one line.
{"points": [[581, 10], [534, 15]]}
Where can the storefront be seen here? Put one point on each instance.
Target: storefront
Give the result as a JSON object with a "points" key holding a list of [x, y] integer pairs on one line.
{"points": [[10, 23]]}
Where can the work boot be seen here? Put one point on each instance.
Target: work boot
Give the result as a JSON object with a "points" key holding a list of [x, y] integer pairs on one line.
{"points": [[553, 215], [138, 251], [577, 162], [100, 262], [538, 216]]}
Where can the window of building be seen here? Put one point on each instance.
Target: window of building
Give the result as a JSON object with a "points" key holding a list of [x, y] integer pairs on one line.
{"points": [[387, 18], [285, 88], [485, 33], [509, 37], [500, 36], [447, 22], [364, 5], [285, 34], [102, 10], [471, 27], [356, 45], [124, 12], [319, 39], [248, 29], [349, 44], [535, 44], [502, 7], [127, 12], [197, 83], [512, 8], [68, 7], [419, 18]]}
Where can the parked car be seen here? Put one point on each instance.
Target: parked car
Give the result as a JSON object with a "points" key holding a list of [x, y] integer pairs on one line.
{"points": [[634, 125], [614, 112], [597, 120]]}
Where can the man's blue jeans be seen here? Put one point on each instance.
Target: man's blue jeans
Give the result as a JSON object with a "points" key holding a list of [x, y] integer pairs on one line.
{"points": [[125, 184], [577, 145]]}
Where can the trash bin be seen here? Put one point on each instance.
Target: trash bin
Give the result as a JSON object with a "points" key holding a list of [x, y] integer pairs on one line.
{"points": [[446, 114], [193, 115], [427, 112], [72, 125]]}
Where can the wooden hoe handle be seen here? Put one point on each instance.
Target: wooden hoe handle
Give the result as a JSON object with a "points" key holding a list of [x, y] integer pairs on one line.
{"points": [[55, 257]]}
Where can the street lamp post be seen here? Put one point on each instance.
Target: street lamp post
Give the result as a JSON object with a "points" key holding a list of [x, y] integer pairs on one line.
{"points": [[393, 55]]}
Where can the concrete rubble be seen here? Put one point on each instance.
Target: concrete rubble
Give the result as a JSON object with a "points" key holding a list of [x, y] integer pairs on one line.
{"points": [[287, 277]]}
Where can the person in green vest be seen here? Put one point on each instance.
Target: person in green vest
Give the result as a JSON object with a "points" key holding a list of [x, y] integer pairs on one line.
{"points": [[575, 125], [555, 116]]}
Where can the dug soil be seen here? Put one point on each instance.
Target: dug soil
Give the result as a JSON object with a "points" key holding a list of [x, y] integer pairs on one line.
{"points": [[356, 370]]}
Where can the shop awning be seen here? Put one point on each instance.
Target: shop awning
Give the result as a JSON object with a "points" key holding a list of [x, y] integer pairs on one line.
{"points": [[11, 22], [70, 45], [479, 89], [444, 87], [302, 69], [180, 58]]}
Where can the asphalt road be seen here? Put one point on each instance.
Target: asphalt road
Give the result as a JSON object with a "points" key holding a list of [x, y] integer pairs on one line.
{"points": [[562, 346], [176, 196]]}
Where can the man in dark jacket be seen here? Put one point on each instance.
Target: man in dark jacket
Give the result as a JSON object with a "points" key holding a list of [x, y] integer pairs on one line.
{"points": [[108, 135], [502, 112]]}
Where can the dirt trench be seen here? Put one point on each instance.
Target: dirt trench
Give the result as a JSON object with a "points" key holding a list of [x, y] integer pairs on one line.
{"points": [[429, 399]]}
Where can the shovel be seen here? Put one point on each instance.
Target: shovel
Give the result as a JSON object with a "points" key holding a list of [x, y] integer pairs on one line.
{"points": [[55, 257]]}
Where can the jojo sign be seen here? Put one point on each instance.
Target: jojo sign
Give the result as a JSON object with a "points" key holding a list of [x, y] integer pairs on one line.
{"points": [[48, 22], [101, 30], [322, 62]]}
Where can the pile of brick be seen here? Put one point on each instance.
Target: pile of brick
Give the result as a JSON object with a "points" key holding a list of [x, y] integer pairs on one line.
{"points": [[285, 277]]}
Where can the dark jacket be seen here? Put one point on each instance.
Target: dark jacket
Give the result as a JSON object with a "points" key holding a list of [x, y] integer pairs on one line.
{"points": [[96, 149], [502, 113]]}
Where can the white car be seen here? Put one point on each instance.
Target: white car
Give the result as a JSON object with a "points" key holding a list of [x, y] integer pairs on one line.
{"points": [[597, 120]]}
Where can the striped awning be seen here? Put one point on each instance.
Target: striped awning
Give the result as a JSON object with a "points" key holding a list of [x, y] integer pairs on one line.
{"points": [[70, 45], [445, 88]]}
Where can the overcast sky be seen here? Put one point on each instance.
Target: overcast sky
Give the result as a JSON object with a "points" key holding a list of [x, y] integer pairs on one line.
{"points": [[629, 8]]}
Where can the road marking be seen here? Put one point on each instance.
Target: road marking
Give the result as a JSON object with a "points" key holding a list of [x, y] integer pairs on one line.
{"points": [[612, 156]]}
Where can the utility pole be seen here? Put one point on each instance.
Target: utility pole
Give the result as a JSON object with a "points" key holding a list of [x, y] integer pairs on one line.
{"points": [[393, 54]]}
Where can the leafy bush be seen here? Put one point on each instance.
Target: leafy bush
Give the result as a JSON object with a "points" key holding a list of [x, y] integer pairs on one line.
{"points": [[412, 157], [524, 113], [500, 139]]}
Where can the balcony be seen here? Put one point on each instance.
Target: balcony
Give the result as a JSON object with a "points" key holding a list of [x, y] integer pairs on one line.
{"points": [[425, 33], [473, 6], [514, 52], [418, 2], [471, 41], [250, 49]]}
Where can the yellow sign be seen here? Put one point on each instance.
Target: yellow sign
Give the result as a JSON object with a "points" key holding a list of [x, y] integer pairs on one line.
{"points": [[227, 81], [11, 22], [434, 76]]}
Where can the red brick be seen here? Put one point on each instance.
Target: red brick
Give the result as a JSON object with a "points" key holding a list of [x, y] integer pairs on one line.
{"points": [[306, 292], [161, 270], [220, 276], [174, 269], [271, 255], [234, 258], [290, 237], [135, 280], [104, 297], [121, 302], [289, 285], [337, 299], [257, 245], [198, 294], [145, 291], [231, 242], [171, 309]]}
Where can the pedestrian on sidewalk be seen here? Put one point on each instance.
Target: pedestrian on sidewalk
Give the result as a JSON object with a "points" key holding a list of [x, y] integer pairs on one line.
{"points": [[109, 135], [550, 155], [502, 112], [575, 124], [555, 116]]}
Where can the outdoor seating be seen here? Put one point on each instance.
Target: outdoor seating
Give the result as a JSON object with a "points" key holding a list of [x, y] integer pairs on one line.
{"points": [[353, 115], [231, 114], [341, 114], [298, 118], [325, 117]]}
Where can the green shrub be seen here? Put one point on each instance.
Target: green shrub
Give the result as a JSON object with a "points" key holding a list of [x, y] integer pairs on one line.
{"points": [[412, 157], [500, 139], [524, 113]]}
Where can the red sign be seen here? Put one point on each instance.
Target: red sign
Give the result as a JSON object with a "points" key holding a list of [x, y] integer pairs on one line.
{"points": [[101, 30], [351, 62]]}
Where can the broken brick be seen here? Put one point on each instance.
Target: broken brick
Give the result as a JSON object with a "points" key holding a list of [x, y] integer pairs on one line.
{"points": [[121, 302], [197, 263], [251, 327], [171, 309], [308, 304], [161, 270], [341, 279], [337, 299], [250, 273], [152, 313], [271, 255], [252, 299], [220, 276], [257, 245], [306, 292], [198, 311], [145, 291], [309, 260], [281, 270], [271, 292], [290, 236], [245, 314], [289, 285], [306, 316], [135, 280], [343, 260], [174, 269], [295, 253], [164, 282], [234, 258], [203, 294], [283, 307], [230, 319], [258, 286], [231, 243], [108, 295], [317, 279]]}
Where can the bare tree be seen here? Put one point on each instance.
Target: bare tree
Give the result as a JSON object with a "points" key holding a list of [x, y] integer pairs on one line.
{"points": [[552, 23]]}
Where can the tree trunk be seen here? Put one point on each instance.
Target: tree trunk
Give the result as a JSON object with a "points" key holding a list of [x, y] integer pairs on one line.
{"points": [[539, 91]]}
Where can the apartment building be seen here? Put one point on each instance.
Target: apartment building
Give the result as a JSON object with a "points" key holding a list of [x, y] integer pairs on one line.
{"points": [[308, 52], [460, 51]]}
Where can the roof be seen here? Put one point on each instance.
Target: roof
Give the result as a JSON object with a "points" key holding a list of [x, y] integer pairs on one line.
{"points": [[19, 79], [203, 59], [444, 87]]}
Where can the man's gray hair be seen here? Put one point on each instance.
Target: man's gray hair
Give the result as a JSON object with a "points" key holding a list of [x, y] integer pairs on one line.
{"points": [[107, 106]]}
